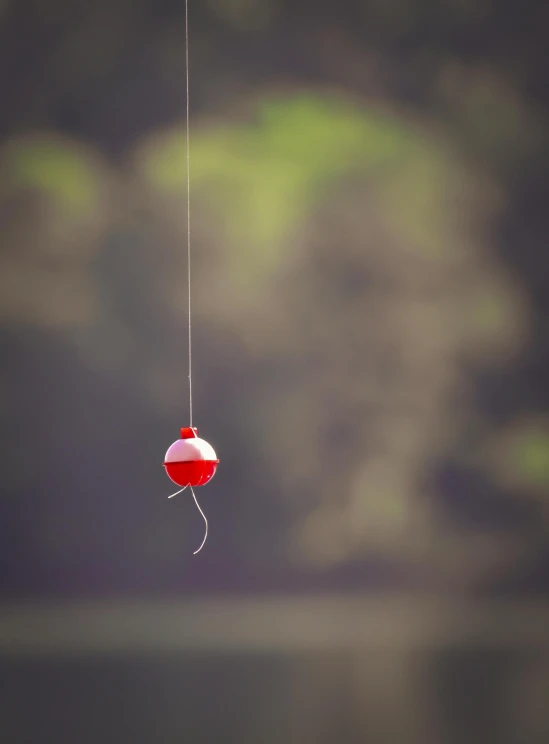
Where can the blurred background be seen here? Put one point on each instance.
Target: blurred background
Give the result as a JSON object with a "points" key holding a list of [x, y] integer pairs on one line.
{"points": [[371, 364]]}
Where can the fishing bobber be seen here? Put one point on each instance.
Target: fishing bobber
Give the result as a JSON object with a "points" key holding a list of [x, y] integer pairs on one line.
{"points": [[191, 461]]}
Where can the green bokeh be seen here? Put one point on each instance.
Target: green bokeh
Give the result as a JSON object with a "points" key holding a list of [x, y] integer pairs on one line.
{"points": [[57, 170], [531, 456], [263, 179]]}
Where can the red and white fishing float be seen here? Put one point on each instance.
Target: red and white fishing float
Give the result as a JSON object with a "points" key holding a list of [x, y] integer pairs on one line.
{"points": [[191, 461]]}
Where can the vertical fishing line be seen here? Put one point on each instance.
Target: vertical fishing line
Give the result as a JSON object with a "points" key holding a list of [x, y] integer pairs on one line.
{"points": [[187, 130], [188, 149]]}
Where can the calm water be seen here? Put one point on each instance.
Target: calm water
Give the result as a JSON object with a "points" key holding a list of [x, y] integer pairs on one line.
{"points": [[467, 694]]}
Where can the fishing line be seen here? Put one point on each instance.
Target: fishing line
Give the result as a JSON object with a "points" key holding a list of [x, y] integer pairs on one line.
{"points": [[190, 461], [188, 148]]}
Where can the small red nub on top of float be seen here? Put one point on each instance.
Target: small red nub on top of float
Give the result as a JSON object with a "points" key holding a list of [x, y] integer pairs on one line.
{"points": [[189, 432]]}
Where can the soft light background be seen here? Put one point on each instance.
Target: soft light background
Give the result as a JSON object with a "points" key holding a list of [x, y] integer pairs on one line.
{"points": [[370, 284]]}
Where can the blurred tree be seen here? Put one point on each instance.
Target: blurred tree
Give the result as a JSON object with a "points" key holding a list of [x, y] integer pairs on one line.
{"points": [[370, 286]]}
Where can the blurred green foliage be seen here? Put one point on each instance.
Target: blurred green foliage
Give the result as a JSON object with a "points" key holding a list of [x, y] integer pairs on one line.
{"points": [[57, 170], [360, 304], [531, 456], [245, 15], [264, 178]]}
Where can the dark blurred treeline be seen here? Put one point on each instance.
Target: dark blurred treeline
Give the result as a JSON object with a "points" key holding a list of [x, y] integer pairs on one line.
{"points": [[370, 294]]}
